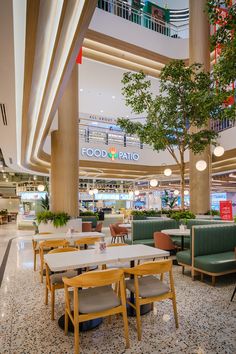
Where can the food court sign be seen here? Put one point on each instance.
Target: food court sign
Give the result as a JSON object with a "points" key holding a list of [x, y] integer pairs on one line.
{"points": [[111, 154]]}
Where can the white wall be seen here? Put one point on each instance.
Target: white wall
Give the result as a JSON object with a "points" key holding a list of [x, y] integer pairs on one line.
{"points": [[117, 27], [11, 205]]}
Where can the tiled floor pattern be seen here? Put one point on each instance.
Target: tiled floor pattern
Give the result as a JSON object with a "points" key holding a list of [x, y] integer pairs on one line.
{"points": [[207, 318]]}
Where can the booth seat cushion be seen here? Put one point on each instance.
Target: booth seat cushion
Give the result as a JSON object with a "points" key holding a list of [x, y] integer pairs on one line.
{"points": [[148, 286], [184, 257], [216, 263]]}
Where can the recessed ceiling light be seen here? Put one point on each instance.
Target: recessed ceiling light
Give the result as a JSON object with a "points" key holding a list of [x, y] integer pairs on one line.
{"points": [[127, 116], [81, 90], [113, 97], [101, 111]]}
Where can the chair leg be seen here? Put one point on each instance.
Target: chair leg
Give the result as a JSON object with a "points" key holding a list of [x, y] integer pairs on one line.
{"points": [[46, 294], [52, 301], [183, 268], [213, 280], [126, 328], [138, 319], [76, 333], [161, 277], [202, 276], [41, 273], [175, 312], [35, 259], [66, 323], [233, 294]]}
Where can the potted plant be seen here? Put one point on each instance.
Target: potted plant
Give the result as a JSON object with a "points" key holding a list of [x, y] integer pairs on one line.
{"points": [[49, 221]]}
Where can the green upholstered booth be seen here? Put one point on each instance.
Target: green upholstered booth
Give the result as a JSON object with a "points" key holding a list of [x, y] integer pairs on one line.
{"points": [[143, 230], [212, 250]]}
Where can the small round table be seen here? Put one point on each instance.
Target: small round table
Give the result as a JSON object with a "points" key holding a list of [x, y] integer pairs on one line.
{"points": [[178, 232]]}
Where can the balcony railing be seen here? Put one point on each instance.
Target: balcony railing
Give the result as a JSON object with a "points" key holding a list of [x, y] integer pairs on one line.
{"points": [[126, 11], [110, 136], [220, 125]]}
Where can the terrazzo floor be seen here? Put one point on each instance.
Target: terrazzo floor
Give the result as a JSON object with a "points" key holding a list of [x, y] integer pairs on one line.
{"points": [[207, 318]]}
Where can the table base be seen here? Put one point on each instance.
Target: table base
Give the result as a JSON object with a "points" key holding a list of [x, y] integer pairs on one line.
{"points": [[83, 326], [144, 309]]}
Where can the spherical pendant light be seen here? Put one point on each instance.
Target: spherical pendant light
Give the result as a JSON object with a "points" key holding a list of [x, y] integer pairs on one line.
{"points": [[219, 151], [95, 191], [41, 187], [167, 172], [90, 192], [201, 165], [176, 192], [136, 192], [153, 182], [186, 192]]}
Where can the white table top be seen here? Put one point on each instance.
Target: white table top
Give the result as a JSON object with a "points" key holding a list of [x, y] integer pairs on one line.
{"points": [[128, 226], [177, 232], [80, 259], [74, 236]]}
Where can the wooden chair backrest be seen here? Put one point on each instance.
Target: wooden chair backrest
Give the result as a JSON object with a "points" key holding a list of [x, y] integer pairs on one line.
{"points": [[163, 241], [99, 227], [156, 267], [117, 244], [53, 243], [86, 226], [65, 249], [88, 240], [95, 279]]}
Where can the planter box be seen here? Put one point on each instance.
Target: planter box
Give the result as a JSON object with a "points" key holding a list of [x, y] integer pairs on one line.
{"points": [[75, 224]]}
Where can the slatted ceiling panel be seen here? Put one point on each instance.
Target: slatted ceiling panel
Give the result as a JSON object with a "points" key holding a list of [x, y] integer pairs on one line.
{"points": [[180, 15], [3, 113]]}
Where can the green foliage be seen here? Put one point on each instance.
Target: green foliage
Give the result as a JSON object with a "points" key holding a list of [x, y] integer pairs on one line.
{"points": [[169, 200], [146, 213], [89, 213], [213, 212], [45, 202], [188, 98], [182, 215], [3, 212], [58, 219], [225, 69]]}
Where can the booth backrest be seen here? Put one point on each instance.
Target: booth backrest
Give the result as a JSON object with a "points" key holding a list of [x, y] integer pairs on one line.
{"points": [[193, 222], [215, 239], [90, 218], [144, 229]]}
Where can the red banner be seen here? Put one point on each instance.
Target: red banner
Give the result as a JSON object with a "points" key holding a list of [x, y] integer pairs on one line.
{"points": [[226, 211]]}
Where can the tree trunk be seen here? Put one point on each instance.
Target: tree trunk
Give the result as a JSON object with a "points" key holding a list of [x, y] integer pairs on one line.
{"points": [[182, 181]]}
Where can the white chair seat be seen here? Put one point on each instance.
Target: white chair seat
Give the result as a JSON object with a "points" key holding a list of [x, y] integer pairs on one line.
{"points": [[149, 286]]}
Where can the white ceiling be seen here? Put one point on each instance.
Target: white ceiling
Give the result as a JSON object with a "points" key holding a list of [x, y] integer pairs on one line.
{"points": [[172, 4], [100, 82]]}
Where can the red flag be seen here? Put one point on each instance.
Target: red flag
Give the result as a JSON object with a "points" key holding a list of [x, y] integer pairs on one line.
{"points": [[79, 57]]}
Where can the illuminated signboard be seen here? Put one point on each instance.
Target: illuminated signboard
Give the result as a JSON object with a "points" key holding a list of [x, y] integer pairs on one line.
{"points": [[112, 154], [32, 195]]}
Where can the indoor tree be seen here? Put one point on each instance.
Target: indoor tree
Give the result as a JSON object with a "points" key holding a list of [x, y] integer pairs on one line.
{"points": [[187, 99], [222, 13]]}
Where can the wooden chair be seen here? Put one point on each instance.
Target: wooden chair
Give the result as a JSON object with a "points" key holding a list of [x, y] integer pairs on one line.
{"points": [[86, 226], [116, 236], [54, 281], [98, 228], [164, 242], [44, 246], [36, 248], [98, 286], [148, 289], [85, 241]]}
